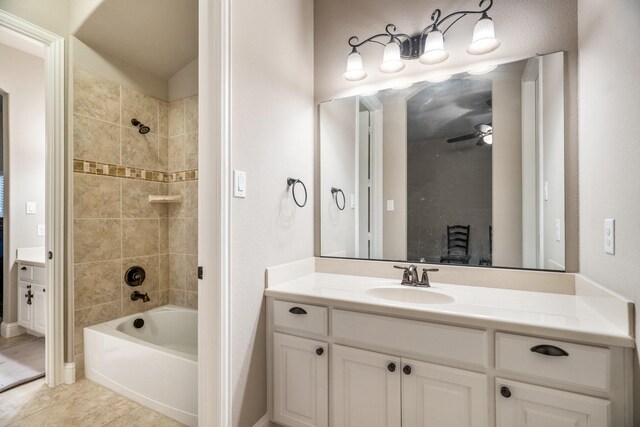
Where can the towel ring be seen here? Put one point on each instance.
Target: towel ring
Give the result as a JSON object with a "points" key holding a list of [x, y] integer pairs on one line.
{"points": [[334, 192], [291, 182]]}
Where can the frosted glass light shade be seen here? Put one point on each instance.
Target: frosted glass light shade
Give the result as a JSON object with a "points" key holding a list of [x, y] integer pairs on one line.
{"points": [[484, 37], [434, 52], [355, 70], [488, 139], [391, 61]]}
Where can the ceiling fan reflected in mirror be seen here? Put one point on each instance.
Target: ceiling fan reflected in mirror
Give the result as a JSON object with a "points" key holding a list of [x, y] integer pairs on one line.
{"points": [[484, 133]]}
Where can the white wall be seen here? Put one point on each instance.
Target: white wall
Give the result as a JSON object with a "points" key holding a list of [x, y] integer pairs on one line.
{"points": [[22, 83], [609, 36], [339, 133], [184, 83], [272, 139], [551, 26]]}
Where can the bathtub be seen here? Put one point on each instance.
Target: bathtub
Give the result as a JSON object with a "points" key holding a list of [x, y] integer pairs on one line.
{"points": [[155, 365]]}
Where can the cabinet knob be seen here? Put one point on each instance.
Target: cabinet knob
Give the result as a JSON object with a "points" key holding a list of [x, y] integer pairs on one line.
{"points": [[320, 351], [391, 367], [407, 369], [505, 392], [24, 269]]}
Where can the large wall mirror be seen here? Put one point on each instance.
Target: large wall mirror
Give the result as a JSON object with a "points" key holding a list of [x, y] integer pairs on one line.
{"points": [[466, 171]]}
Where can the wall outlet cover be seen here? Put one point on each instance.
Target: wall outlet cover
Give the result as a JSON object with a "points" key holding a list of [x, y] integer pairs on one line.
{"points": [[610, 235], [390, 205], [40, 230]]}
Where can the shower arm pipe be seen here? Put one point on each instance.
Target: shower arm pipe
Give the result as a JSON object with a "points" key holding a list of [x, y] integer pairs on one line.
{"points": [[389, 32]]}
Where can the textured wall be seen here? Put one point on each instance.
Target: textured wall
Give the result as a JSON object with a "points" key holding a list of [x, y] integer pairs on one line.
{"points": [[272, 139], [609, 34], [114, 225]]}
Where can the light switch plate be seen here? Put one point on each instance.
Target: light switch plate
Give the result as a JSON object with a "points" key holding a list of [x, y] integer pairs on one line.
{"points": [[609, 235], [239, 184], [558, 230], [40, 230], [390, 205], [30, 208]]}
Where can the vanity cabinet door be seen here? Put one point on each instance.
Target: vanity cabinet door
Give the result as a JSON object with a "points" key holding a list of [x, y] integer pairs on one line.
{"points": [[365, 388], [435, 396], [39, 308], [525, 405], [25, 304], [301, 375]]}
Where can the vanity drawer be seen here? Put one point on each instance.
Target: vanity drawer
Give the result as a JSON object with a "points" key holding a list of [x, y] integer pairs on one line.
{"points": [[402, 336], [40, 275], [584, 366], [25, 272], [300, 317]]}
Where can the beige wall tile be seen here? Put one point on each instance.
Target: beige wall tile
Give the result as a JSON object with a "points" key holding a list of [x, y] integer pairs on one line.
{"points": [[176, 153], [177, 271], [163, 272], [135, 199], [96, 140], [191, 236], [96, 97], [139, 237], [191, 299], [139, 151], [176, 236], [140, 106], [191, 273], [191, 151], [177, 210], [176, 118], [79, 362], [177, 297], [191, 114], [163, 119], [95, 196], [163, 236], [163, 299], [163, 154], [92, 316], [96, 283], [151, 265], [96, 239], [191, 199]]}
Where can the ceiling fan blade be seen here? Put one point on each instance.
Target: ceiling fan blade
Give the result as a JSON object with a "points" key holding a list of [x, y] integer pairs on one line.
{"points": [[462, 137]]}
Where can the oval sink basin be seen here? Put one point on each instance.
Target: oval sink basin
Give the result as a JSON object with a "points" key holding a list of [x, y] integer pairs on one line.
{"points": [[410, 295]]}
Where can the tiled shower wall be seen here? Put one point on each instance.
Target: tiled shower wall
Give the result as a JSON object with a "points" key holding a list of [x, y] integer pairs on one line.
{"points": [[115, 227]]}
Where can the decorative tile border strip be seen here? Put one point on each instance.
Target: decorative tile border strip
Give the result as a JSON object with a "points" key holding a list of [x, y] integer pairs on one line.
{"points": [[105, 169]]}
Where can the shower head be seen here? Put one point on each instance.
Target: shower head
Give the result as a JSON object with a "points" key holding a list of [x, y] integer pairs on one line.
{"points": [[143, 129]]}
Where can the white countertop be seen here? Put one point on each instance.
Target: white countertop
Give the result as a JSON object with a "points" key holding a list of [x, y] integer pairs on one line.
{"points": [[548, 314], [33, 256]]}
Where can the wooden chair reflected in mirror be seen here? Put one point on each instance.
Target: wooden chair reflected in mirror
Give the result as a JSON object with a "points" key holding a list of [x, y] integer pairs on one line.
{"points": [[487, 261], [457, 245]]}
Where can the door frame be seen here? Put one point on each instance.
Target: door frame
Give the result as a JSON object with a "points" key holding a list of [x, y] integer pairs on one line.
{"points": [[54, 63]]}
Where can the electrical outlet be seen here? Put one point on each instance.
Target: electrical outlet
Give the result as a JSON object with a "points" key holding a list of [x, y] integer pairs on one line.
{"points": [[390, 205], [353, 201], [40, 230], [609, 235]]}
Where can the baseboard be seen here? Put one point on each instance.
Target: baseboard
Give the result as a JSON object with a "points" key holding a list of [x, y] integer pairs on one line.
{"points": [[10, 330], [69, 373], [264, 421]]}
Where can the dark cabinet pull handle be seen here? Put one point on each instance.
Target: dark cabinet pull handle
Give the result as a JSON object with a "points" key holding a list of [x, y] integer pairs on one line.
{"points": [[391, 367], [24, 269], [407, 369], [549, 350], [320, 351], [505, 392], [297, 310]]}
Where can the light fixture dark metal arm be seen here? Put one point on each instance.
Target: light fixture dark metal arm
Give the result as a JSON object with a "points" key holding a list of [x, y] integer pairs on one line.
{"points": [[390, 32]]}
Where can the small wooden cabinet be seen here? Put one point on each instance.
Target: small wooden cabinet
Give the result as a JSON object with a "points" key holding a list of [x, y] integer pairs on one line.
{"points": [[301, 381], [32, 298]]}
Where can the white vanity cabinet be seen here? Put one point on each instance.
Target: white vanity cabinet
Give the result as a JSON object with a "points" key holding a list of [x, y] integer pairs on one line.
{"points": [[32, 298]]}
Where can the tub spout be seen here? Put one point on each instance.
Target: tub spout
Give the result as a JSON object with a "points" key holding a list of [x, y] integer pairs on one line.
{"points": [[137, 295]]}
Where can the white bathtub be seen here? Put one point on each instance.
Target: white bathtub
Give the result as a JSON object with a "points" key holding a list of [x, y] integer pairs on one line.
{"points": [[155, 365]]}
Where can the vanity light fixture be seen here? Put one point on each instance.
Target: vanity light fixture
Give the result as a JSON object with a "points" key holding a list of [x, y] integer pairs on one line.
{"points": [[427, 46]]}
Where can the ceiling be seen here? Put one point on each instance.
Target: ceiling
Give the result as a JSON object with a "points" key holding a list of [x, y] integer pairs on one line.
{"points": [[157, 36]]}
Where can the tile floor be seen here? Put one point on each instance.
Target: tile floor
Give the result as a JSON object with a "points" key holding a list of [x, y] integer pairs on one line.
{"points": [[9, 342], [83, 403]]}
